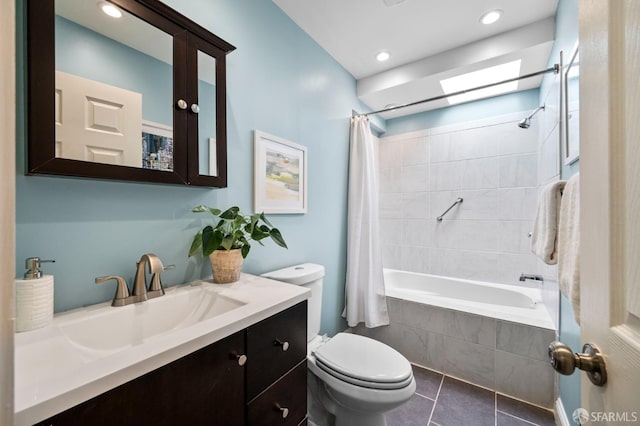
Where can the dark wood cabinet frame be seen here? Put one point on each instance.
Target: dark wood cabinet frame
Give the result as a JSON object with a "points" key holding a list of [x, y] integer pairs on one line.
{"points": [[188, 37]]}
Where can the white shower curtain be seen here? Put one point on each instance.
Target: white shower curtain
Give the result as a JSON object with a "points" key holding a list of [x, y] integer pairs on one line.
{"points": [[364, 289]]}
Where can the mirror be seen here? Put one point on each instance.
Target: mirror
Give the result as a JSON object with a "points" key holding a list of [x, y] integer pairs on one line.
{"points": [[130, 97], [113, 88], [571, 107]]}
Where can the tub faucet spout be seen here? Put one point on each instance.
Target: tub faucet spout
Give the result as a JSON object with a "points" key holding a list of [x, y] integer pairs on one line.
{"points": [[533, 277]]}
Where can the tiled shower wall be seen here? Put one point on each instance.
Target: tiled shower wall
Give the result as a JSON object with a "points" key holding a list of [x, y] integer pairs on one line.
{"points": [[492, 164]]}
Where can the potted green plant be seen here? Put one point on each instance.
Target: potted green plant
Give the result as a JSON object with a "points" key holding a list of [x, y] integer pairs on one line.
{"points": [[226, 241]]}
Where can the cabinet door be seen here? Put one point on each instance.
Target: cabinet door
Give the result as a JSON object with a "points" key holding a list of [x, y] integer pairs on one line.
{"points": [[274, 346], [207, 122], [203, 388]]}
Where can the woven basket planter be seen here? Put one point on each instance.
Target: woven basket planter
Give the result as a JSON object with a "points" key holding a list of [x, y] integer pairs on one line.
{"points": [[226, 265]]}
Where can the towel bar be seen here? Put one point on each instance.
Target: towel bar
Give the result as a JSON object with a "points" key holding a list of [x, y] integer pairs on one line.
{"points": [[458, 201]]}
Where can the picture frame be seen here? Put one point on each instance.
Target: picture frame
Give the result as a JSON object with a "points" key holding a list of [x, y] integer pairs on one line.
{"points": [[571, 108], [280, 175], [157, 146], [213, 157]]}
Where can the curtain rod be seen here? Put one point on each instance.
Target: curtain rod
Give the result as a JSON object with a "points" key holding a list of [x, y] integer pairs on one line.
{"points": [[555, 69]]}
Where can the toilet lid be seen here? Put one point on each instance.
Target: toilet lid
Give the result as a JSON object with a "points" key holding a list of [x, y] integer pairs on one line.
{"points": [[363, 362]]}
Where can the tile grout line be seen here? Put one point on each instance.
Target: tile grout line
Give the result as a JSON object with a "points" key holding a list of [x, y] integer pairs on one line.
{"points": [[425, 397], [435, 401], [516, 417], [495, 409]]}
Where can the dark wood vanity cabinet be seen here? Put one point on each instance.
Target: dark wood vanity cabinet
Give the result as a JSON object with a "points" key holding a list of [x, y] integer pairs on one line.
{"points": [[277, 369], [210, 387], [202, 388]]}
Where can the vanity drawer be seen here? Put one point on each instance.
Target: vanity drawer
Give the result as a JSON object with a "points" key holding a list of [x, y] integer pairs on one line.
{"points": [[289, 393], [266, 343]]}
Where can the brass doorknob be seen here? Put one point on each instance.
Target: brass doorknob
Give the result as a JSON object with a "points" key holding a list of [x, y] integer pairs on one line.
{"points": [[591, 361]]}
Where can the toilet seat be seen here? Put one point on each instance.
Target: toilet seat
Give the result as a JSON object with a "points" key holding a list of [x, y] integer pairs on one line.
{"points": [[364, 362]]}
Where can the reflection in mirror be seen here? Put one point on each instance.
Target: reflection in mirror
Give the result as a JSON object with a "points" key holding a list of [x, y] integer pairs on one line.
{"points": [[572, 109], [207, 159], [114, 88]]}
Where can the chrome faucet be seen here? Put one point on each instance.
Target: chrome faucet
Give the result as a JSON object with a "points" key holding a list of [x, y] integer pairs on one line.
{"points": [[531, 277], [139, 292]]}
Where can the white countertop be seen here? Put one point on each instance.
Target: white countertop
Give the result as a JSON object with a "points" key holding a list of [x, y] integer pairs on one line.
{"points": [[53, 374]]}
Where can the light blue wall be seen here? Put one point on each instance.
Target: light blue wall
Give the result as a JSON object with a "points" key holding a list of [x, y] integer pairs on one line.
{"points": [[566, 38], [484, 108], [280, 82]]}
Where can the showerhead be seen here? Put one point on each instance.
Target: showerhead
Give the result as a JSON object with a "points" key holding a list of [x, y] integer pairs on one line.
{"points": [[525, 123]]}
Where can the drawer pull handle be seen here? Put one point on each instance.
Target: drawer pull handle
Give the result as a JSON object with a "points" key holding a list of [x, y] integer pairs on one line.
{"points": [[284, 411], [285, 345], [241, 359]]}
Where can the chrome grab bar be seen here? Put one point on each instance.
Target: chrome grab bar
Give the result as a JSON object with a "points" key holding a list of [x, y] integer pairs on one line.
{"points": [[458, 201]]}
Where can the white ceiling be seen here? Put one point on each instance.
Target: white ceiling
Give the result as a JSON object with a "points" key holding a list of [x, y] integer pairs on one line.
{"points": [[428, 40]]}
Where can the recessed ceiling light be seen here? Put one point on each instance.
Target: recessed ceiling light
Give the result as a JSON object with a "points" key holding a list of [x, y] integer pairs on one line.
{"points": [[390, 3], [383, 56], [110, 9], [491, 16], [480, 78]]}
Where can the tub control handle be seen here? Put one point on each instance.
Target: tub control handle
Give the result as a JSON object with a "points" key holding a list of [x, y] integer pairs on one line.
{"points": [[591, 361], [285, 344], [284, 411]]}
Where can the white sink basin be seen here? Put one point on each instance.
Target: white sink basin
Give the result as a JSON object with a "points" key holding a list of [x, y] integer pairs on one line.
{"points": [[90, 350], [115, 328]]}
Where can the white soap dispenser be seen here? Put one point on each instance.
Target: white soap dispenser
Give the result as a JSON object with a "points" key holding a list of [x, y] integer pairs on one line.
{"points": [[34, 297]]}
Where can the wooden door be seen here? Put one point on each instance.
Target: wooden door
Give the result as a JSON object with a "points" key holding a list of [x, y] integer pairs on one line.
{"points": [[610, 203], [97, 122]]}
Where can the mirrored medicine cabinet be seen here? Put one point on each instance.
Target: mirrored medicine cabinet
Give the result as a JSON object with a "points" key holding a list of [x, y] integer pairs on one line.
{"points": [[127, 90]]}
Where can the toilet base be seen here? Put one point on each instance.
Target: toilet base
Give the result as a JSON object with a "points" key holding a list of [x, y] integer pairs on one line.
{"points": [[325, 410]]}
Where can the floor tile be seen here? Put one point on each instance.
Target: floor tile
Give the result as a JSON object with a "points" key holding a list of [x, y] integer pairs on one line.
{"points": [[507, 420], [463, 404], [427, 382], [416, 412], [525, 411]]}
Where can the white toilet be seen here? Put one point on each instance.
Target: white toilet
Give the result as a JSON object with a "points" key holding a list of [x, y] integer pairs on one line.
{"points": [[354, 378]]}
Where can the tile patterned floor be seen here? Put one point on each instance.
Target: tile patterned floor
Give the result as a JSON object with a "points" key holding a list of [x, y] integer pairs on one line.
{"points": [[443, 401]]}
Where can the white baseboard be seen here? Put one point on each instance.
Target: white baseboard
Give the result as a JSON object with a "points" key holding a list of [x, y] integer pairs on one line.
{"points": [[560, 414]]}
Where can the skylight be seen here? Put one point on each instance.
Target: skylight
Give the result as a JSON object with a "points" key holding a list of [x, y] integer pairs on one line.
{"points": [[481, 78]]}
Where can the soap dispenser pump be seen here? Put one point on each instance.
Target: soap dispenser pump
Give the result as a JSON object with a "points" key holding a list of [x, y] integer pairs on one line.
{"points": [[33, 267], [34, 297]]}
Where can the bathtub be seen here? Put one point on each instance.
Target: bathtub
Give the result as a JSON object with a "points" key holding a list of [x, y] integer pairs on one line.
{"points": [[493, 335], [513, 303]]}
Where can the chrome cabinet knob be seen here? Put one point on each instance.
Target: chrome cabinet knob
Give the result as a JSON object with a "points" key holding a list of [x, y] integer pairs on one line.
{"points": [[284, 411], [591, 361], [195, 108], [284, 345], [241, 359], [182, 104]]}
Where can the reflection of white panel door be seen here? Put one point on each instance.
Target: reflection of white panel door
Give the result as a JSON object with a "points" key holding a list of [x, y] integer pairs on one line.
{"points": [[610, 204], [97, 122]]}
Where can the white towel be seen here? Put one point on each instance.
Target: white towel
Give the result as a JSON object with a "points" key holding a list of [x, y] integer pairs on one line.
{"points": [[569, 244], [545, 228]]}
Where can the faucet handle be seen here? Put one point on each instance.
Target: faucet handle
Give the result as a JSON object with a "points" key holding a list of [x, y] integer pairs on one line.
{"points": [[122, 290], [155, 288]]}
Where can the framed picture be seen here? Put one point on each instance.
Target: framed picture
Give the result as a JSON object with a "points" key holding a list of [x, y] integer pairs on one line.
{"points": [[280, 177], [571, 108], [213, 158], [157, 146]]}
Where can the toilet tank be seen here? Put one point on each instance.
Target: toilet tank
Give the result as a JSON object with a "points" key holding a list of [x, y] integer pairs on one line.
{"points": [[310, 276]]}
